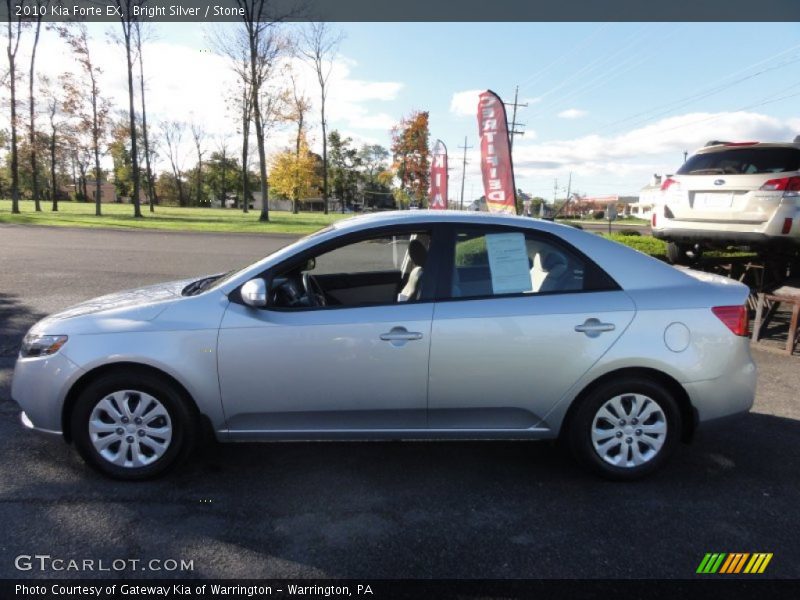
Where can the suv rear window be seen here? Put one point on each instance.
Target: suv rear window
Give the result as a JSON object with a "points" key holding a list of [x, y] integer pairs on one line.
{"points": [[743, 161]]}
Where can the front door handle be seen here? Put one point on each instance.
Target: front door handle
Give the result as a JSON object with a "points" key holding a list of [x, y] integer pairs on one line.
{"points": [[594, 327], [400, 335]]}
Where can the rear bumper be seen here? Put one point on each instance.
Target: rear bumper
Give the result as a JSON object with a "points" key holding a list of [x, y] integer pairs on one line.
{"points": [[28, 424], [731, 394], [732, 237]]}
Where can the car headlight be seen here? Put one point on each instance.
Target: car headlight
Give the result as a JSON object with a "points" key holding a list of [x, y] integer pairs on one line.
{"points": [[41, 345]]}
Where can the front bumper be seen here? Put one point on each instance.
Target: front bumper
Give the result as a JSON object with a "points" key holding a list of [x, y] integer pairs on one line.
{"points": [[40, 386]]}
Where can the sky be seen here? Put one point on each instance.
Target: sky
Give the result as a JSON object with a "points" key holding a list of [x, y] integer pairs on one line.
{"points": [[609, 103]]}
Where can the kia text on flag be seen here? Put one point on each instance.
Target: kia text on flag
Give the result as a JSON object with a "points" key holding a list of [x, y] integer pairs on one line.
{"points": [[439, 177], [498, 174]]}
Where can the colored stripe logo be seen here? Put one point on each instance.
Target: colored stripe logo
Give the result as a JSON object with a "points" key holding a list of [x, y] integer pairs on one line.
{"points": [[734, 563]]}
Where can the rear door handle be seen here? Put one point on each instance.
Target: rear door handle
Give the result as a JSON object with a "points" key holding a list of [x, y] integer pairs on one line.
{"points": [[594, 327], [398, 336]]}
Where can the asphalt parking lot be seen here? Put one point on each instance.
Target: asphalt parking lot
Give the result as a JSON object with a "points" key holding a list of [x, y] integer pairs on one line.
{"points": [[378, 510]]}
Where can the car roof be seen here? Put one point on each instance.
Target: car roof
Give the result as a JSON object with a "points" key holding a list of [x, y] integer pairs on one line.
{"points": [[399, 217], [745, 146]]}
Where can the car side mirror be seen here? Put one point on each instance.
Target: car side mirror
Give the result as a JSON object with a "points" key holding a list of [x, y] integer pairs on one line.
{"points": [[311, 264], [254, 293]]}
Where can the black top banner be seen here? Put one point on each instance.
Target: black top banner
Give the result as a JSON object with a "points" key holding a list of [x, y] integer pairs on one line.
{"points": [[199, 11]]}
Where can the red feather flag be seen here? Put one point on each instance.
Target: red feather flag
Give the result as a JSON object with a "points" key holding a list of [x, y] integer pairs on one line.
{"points": [[496, 167]]}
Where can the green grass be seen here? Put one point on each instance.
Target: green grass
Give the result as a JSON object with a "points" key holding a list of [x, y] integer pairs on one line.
{"points": [[167, 218], [658, 248], [648, 245]]}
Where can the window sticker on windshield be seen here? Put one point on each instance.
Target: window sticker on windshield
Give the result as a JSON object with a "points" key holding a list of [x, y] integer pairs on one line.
{"points": [[508, 263]]}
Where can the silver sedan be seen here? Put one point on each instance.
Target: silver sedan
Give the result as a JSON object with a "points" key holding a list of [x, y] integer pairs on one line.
{"points": [[412, 325]]}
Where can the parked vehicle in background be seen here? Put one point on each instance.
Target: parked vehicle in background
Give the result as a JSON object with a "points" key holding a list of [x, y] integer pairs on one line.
{"points": [[732, 194], [411, 325]]}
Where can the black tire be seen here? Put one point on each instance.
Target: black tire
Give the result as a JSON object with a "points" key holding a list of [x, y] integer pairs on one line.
{"points": [[182, 419], [579, 428], [676, 253]]}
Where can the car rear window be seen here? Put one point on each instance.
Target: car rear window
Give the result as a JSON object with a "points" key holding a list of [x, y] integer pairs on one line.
{"points": [[743, 161]]}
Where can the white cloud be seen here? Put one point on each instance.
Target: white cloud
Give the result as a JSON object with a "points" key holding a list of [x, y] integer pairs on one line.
{"points": [[185, 83], [657, 146], [465, 104], [572, 113]]}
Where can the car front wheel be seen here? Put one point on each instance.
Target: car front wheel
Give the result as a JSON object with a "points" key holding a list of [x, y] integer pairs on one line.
{"points": [[625, 429], [132, 426]]}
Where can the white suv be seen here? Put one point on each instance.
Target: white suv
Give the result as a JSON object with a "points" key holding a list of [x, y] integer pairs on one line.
{"points": [[743, 193]]}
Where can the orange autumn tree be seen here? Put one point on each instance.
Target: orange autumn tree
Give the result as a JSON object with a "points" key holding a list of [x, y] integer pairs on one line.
{"points": [[412, 155]]}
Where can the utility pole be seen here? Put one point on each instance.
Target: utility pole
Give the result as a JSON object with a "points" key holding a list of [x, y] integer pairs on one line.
{"points": [[512, 131], [463, 171]]}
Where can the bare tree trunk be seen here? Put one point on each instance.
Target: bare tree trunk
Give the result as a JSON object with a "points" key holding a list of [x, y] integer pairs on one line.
{"points": [[12, 73], [32, 107], [151, 188], [245, 149], [262, 154], [127, 25], [53, 190], [324, 154], [96, 148]]}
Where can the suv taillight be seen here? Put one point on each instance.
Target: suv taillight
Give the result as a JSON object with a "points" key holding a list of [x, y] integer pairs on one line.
{"points": [[735, 318], [790, 186], [668, 183]]}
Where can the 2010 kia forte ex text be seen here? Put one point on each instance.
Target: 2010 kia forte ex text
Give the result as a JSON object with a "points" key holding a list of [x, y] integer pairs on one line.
{"points": [[403, 325]]}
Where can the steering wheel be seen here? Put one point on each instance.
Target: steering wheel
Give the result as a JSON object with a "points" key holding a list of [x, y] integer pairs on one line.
{"points": [[314, 291]]}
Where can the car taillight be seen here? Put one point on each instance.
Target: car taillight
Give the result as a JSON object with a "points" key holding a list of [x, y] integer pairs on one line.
{"points": [[668, 183], [653, 220], [787, 226], [790, 186], [735, 318]]}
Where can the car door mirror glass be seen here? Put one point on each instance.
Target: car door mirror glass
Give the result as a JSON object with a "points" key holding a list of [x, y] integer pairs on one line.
{"points": [[254, 293], [311, 264]]}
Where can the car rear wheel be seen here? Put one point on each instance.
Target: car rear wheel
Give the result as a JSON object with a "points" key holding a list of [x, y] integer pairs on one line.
{"points": [[625, 429], [132, 426]]}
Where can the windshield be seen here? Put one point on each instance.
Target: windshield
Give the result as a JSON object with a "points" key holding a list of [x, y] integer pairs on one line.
{"points": [[743, 161]]}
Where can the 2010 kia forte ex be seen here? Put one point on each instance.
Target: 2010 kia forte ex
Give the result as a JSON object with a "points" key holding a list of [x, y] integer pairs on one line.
{"points": [[403, 325]]}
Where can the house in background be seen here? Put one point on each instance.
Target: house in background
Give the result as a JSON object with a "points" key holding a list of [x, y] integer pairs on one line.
{"points": [[649, 198], [108, 192]]}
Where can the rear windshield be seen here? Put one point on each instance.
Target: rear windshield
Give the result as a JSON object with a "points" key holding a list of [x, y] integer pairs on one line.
{"points": [[743, 161]]}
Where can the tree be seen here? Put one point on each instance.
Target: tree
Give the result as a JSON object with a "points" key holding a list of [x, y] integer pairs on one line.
{"points": [[319, 45], [222, 174], [121, 157], [412, 154], [78, 39], [294, 173], [344, 164], [297, 109], [151, 188], [263, 50], [173, 136], [198, 135], [52, 102], [14, 34], [127, 20], [32, 104]]}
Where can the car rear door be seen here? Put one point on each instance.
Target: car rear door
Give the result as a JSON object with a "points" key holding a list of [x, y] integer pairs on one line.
{"points": [[505, 349]]}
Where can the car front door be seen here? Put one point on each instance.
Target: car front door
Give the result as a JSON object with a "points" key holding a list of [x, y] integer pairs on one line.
{"points": [[358, 364], [523, 317]]}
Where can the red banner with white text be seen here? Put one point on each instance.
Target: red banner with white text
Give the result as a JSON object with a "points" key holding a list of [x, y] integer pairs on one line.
{"points": [[496, 167], [438, 195]]}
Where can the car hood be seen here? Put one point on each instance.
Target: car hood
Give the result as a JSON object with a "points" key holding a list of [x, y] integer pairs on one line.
{"points": [[127, 307]]}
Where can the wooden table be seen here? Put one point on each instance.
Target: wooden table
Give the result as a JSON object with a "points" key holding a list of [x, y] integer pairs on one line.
{"points": [[787, 294]]}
